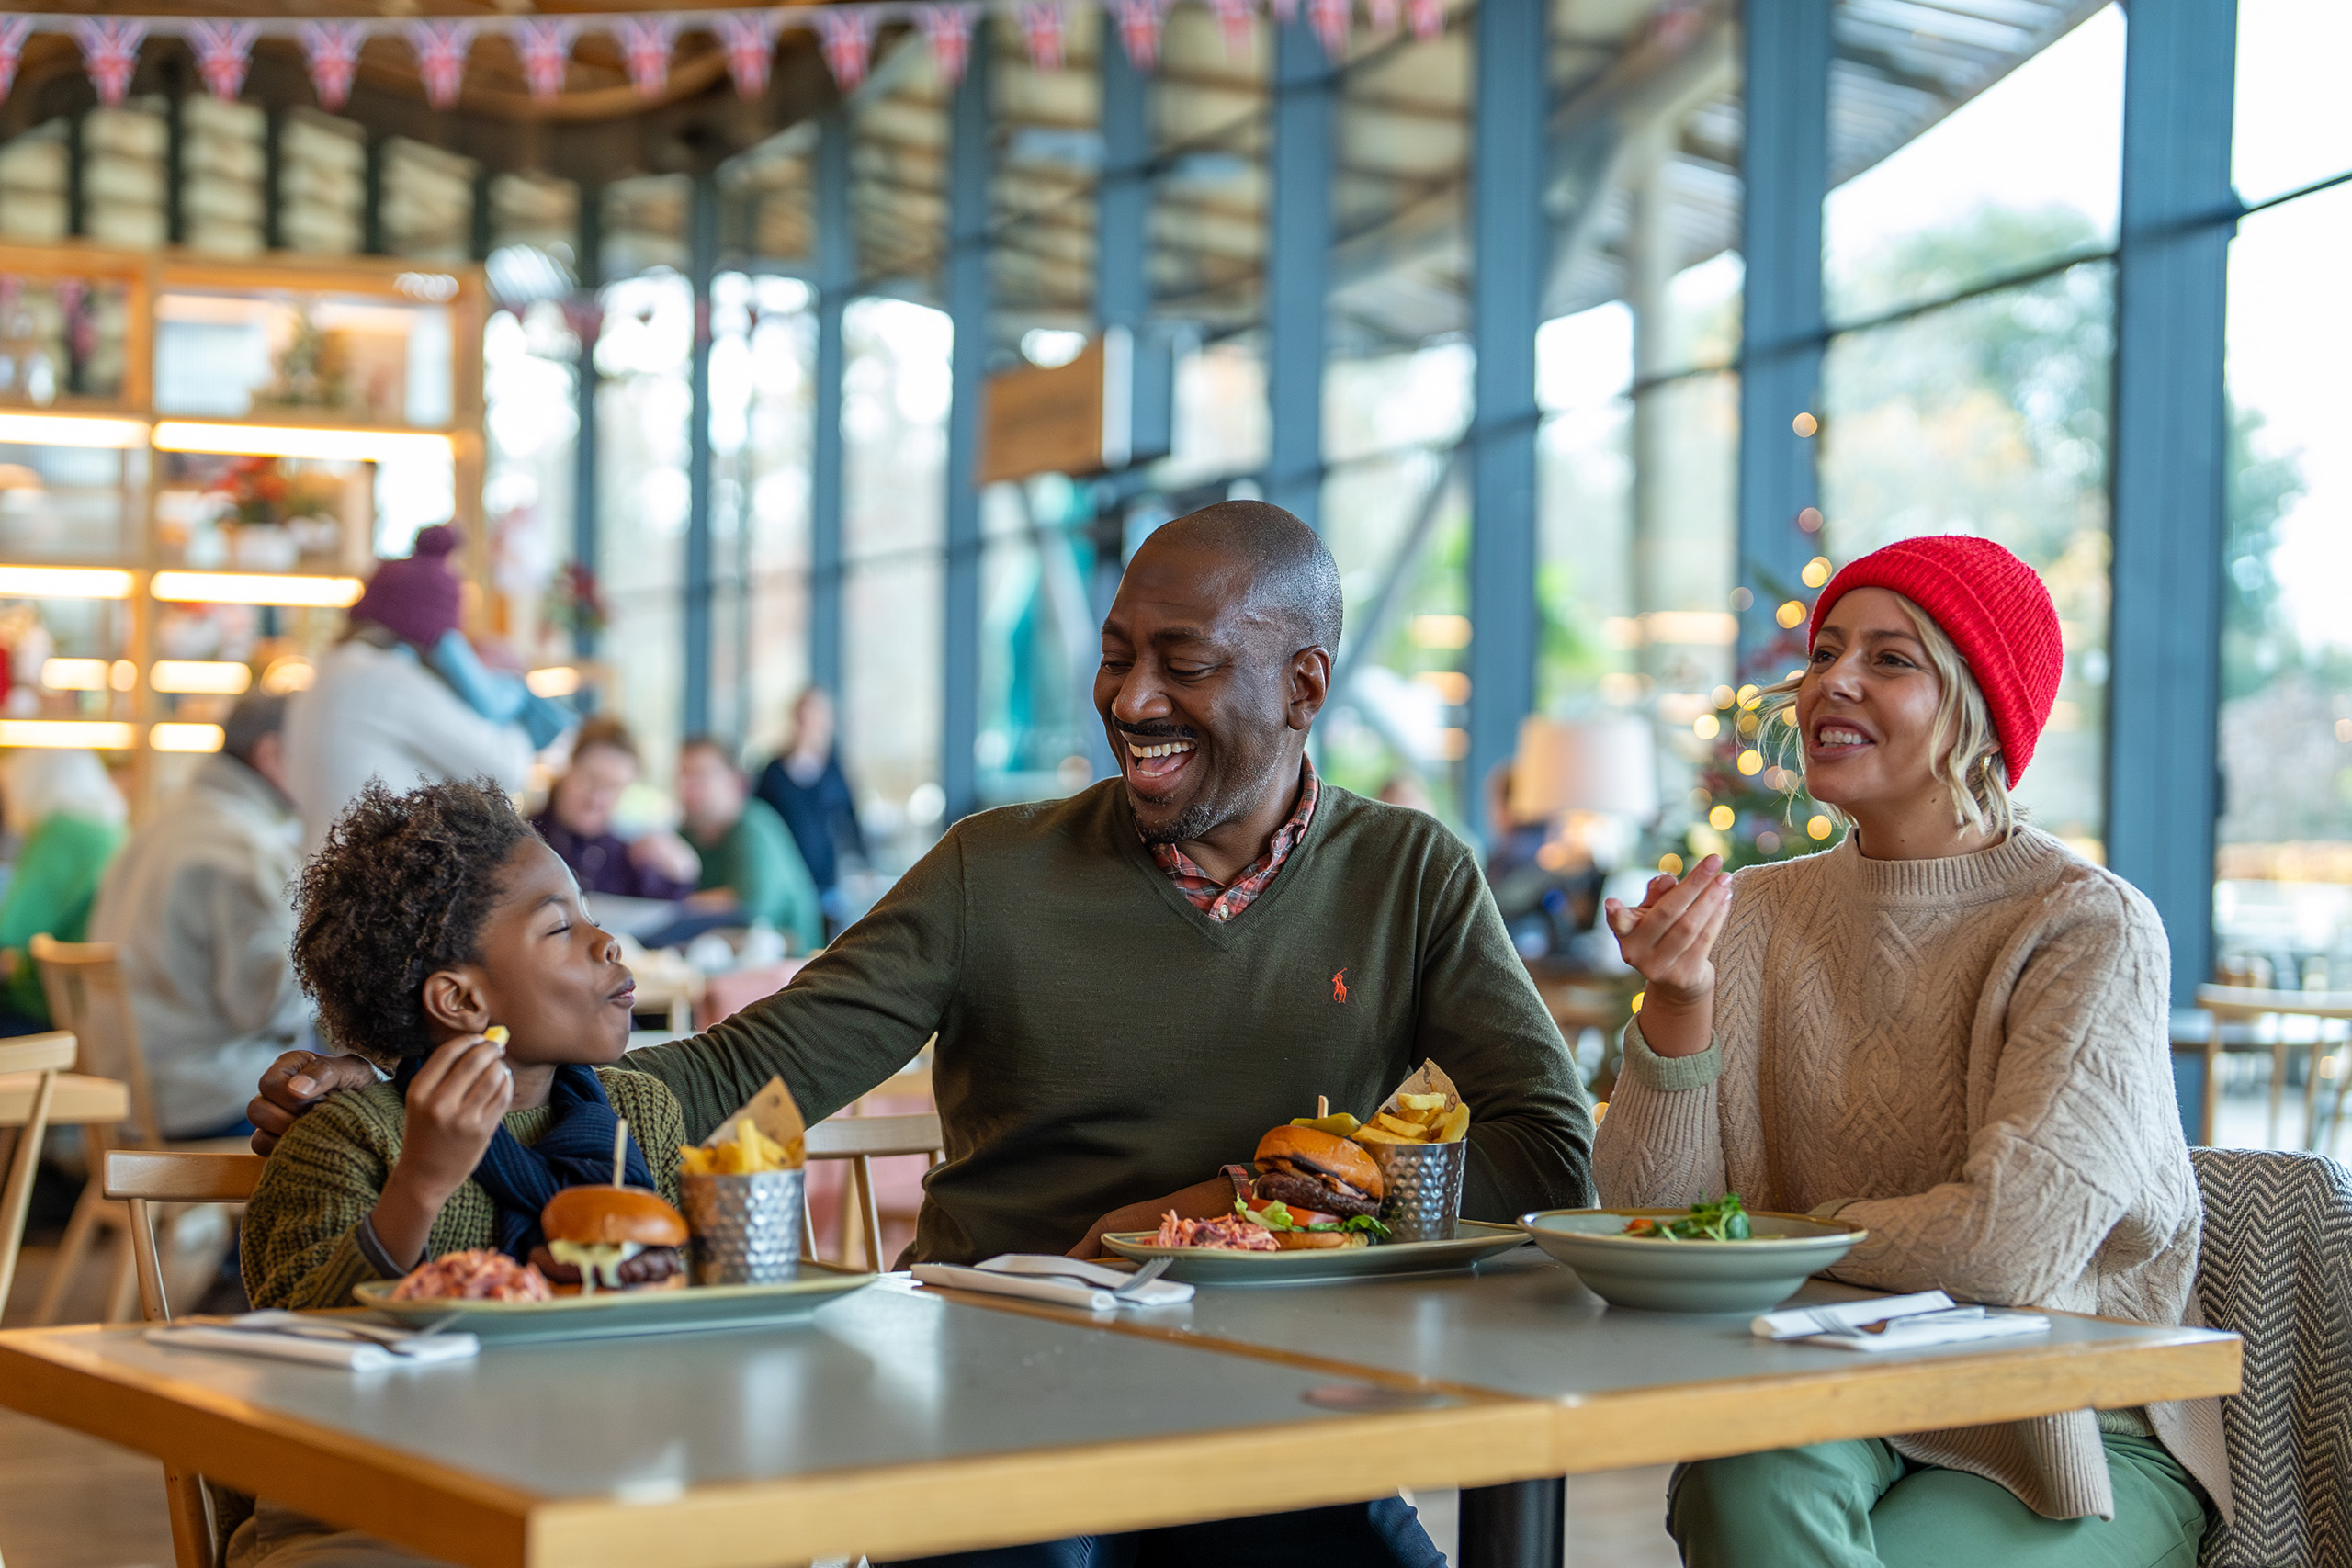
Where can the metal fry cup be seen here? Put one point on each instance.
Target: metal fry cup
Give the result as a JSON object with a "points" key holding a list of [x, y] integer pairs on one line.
{"points": [[1424, 1197], [746, 1228]]}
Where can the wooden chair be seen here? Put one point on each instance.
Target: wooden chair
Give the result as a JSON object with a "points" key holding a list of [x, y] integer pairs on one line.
{"points": [[45, 1057], [2248, 1015], [84, 983], [140, 1178], [865, 1139]]}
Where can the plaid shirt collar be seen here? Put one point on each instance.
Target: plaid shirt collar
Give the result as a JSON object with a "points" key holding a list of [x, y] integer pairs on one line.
{"points": [[1221, 902]]}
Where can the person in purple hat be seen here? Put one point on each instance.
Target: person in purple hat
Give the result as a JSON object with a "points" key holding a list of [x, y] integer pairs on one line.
{"points": [[400, 698]]}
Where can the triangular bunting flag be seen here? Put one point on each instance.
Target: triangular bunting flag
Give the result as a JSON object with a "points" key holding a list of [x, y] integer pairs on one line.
{"points": [[13, 31], [441, 48], [845, 35], [1233, 19], [545, 44], [948, 30], [1139, 31], [223, 52], [750, 42], [1427, 19], [647, 43], [110, 53], [1041, 30], [1330, 18], [331, 49]]}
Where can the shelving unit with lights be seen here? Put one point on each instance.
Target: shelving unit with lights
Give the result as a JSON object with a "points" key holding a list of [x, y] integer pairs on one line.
{"points": [[201, 460]]}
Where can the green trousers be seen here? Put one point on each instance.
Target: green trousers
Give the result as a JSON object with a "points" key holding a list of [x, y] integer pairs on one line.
{"points": [[1862, 1504]]}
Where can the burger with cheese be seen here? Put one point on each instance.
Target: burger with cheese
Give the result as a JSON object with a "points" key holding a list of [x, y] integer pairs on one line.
{"points": [[1315, 1189], [621, 1238]]}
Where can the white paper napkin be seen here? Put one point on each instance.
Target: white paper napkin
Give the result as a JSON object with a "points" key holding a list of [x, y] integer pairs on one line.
{"points": [[327, 1342], [1063, 1281], [1880, 1324]]}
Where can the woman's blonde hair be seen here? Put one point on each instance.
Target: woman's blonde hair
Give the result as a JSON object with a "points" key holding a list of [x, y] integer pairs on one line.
{"points": [[1967, 750]]}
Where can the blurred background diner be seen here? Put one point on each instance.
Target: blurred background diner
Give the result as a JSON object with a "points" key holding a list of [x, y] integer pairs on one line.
{"points": [[601, 420]]}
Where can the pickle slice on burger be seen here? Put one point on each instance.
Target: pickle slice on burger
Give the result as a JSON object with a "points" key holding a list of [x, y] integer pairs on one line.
{"points": [[1315, 1189]]}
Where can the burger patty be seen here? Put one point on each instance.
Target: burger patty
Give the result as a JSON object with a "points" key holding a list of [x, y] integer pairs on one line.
{"points": [[651, 1266], [1291, 1187]]}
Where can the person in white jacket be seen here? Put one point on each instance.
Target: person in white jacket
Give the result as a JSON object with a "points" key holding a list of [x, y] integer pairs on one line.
{"points": [[378, 710], [198, 904]]}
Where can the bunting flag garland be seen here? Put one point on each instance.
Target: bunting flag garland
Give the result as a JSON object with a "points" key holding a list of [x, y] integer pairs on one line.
{"points": [[1233, 19], [13, 31], [845, 36], [224, 51], [1139, 31], [331, 49], [545, 45], [948, 30], [1041, 29], [1330, 19], [441, 58], [647, 43], [749, 43], [109, 52], [845, 29]]}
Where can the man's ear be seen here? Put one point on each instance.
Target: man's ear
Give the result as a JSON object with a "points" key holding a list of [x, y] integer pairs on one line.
{"points": [[1310, 685], [454, 1001]]}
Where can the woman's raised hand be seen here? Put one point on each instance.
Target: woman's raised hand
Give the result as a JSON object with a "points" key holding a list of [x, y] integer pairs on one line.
{"points": [[1669, 939]]}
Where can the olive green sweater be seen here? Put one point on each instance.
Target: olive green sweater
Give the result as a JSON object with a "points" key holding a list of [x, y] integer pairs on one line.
{"points": [[1102, 1042], [301, 1242]]}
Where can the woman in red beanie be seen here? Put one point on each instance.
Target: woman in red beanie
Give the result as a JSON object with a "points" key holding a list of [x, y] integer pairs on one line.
{"points": [[1950, 1030]]}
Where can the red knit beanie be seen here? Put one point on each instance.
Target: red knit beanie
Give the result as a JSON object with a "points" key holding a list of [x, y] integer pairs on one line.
{"points": [[1996, 611], [417, 599]]}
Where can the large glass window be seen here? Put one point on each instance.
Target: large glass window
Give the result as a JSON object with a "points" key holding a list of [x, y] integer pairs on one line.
{"points": [[2283, 897]]}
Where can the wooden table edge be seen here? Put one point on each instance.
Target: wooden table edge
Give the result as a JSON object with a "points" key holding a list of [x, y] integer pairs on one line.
{"points": [[1671, 1423], [436, 1508], [1479, 1439]]}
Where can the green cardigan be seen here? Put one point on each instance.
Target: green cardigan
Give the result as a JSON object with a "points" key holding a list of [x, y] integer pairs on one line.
{"points": [[56, 881], [301, 1245]]}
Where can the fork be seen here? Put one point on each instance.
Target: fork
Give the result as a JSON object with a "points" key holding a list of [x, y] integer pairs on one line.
{"points": [[1143, 1276]]}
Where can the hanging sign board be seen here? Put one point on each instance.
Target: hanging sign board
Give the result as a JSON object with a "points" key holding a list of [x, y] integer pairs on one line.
{"points": [[1106, 409]]}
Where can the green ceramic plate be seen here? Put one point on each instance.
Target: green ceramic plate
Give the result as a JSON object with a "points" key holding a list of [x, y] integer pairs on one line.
{"points": [[1474, 1241], [610, 1314], [1750, 1276]]}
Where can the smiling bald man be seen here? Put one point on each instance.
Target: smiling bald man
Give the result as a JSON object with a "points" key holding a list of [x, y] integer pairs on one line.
{"points": [[1130, 986]]}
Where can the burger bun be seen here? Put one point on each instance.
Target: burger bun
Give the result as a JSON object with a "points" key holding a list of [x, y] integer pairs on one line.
{"points": [[599, 1216], [1324, 1154]]}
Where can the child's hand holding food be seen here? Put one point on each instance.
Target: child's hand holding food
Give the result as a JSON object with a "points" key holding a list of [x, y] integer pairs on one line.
{"points": [[455, 1104]]}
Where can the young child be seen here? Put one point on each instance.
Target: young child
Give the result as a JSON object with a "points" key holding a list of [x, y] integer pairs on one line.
{"points": [[425, 918]]}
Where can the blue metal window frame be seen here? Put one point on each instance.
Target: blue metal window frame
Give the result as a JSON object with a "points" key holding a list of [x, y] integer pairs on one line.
{"points": [[969, 159]]}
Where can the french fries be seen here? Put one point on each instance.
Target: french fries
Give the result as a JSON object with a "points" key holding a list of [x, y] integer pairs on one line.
{"points": [[1418, 1117], [748, 1152]]}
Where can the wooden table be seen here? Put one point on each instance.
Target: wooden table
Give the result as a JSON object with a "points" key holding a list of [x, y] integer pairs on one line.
{"points": [[903, 1421], [1626, 1389]]}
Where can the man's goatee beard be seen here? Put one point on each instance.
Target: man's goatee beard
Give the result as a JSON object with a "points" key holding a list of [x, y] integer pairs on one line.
{"points": [[1191, 823]]}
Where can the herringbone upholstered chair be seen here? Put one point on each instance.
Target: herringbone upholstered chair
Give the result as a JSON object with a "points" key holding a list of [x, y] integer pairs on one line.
{"points": [[2277, 1270]]}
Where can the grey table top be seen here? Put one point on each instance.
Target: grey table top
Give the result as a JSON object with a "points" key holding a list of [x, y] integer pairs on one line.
{"points": [[1522, 1325], [889, 1393], [1633, 1388]]}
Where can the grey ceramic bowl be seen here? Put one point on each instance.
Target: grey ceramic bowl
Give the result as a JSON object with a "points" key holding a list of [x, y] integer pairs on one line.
{"points": [[1750, 1276]]}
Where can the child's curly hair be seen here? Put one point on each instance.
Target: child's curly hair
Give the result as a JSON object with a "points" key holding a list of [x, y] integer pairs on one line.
{"points": [[399, 890]]}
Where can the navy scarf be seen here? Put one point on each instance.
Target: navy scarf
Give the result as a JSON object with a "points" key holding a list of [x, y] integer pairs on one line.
{"points": [[576, 1152]]}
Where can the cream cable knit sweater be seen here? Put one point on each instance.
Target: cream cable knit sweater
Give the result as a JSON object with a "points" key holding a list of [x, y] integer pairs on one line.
{"points": [[1967, 1057]]}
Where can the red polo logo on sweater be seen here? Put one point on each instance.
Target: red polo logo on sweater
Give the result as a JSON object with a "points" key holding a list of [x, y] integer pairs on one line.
{"points": [[1340, 986]]}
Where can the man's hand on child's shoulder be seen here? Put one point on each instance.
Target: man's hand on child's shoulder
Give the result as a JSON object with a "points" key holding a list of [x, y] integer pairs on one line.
{"points": [[293, 1084]]}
